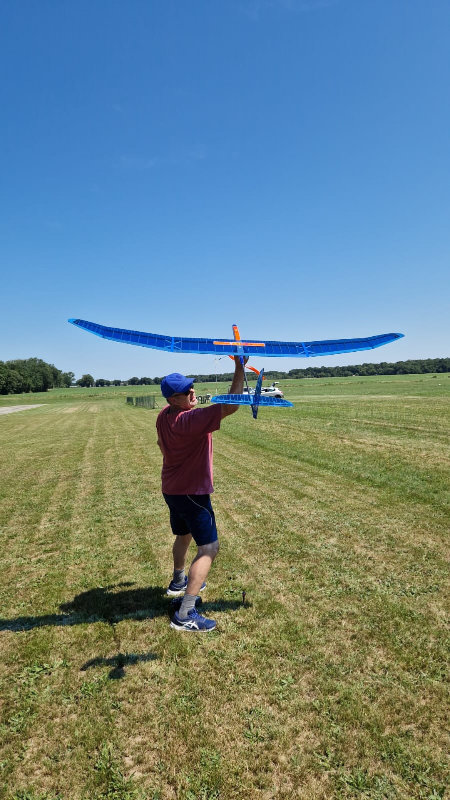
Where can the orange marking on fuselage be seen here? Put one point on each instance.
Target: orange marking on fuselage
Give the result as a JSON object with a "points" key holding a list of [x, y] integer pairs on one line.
{"points": [[237, 340]]}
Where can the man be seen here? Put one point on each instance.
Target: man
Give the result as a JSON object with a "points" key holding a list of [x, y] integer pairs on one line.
{"points": [[185, 440]]}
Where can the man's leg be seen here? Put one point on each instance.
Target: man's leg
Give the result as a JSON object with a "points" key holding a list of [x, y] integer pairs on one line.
{"points": [[177, 586], [200, 566], [197, 575], [198, 513], [179, 550]]}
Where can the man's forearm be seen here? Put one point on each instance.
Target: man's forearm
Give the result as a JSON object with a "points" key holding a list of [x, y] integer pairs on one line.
{"points": [[236, 387], [238, 378]]}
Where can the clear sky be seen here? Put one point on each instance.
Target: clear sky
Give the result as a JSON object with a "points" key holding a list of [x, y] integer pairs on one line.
{"points": [[176, 167]]}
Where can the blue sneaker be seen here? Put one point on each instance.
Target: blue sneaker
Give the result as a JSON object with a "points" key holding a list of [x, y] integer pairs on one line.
{"points": [[194, 622], [178, 589]]}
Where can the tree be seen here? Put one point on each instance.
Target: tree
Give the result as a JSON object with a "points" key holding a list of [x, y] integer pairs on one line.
{"points": [[56, 376], [85, 380], [10, 380], [36, 375], [67, 379]]}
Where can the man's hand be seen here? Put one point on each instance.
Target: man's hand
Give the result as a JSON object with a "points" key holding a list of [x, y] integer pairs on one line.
{"points": [[237, 360]]}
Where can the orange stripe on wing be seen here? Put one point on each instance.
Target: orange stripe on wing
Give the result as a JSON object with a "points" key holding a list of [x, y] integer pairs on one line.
{"points": [[243, 344]]}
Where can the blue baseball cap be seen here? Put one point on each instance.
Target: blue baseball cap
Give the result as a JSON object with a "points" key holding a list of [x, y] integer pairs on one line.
{"points": [[175, 383]]}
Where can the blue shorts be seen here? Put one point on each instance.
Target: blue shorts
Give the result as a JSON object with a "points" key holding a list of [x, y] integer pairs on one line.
{"points": [[192, 513]]}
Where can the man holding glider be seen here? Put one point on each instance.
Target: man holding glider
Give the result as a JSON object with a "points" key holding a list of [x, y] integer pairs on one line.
{"points": [[185, 440]]}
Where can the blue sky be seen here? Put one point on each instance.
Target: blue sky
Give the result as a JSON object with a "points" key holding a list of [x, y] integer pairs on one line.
{"points": [[176, 167]]}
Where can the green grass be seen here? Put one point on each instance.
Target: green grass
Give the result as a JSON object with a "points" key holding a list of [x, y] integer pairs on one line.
{"points": [[328, 683]]}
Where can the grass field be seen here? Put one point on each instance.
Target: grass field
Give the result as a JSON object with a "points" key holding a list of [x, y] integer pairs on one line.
{"points": [[329, 682]]}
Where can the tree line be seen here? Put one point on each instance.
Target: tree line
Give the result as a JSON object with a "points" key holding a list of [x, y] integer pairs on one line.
{"points": [[35, 375], [410, 367], [89, 380], [31, 375]]}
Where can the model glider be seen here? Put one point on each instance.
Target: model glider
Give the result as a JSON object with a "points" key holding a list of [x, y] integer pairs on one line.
{"points": [[240, 348], [250, 347]]}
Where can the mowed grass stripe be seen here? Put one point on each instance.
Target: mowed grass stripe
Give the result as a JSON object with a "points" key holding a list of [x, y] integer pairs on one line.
{"points": [[38, 504], [90, 548], [40, 587], [345, 454], [368, 550]]}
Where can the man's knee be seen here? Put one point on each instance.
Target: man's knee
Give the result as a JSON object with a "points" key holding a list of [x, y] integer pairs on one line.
{"points": [[210, 550]]}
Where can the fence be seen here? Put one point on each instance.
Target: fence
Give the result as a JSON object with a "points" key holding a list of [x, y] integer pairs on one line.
{"points": [[144, 401], [149, 400]]}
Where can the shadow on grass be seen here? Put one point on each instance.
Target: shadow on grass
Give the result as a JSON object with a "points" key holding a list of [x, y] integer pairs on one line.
{"points": [[118, 663], [110, 604]]}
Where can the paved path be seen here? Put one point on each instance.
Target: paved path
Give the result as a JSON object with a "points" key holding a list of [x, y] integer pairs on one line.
{"points": [[11, 409]]}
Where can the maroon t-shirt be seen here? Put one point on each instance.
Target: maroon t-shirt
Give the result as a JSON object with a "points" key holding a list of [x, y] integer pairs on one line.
{"points": [[186, 444]]}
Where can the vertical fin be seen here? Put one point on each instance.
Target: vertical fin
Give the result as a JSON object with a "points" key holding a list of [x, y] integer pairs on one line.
{"points": [[257, 394]]}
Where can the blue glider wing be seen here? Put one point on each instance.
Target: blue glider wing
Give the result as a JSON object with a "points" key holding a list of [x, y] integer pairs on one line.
{"points": [[248, 400], [251, 347]]}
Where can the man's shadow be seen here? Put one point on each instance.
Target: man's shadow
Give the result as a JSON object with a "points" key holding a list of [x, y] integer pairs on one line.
{"points": [[106, 604], [117, 602], [102, 604]]}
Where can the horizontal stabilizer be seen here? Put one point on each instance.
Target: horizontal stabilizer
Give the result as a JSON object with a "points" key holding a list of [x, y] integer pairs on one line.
{"points": [[249, 400]]}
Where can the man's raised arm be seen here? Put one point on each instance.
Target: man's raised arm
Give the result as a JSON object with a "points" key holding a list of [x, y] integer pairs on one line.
{"points": [[236, 386]]}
